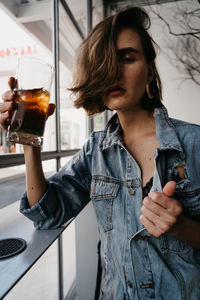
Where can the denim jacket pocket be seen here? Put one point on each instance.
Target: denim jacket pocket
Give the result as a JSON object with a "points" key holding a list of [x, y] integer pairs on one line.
{"points": [[170, 244], [103, 193]]}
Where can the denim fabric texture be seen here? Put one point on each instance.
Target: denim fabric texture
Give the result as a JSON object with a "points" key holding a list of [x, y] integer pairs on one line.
{"points": [[135, 264]]}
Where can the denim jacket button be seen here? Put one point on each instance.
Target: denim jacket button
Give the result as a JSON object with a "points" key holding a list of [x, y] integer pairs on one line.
{"points": [[131, 191], [147, 285], [130, 284]]}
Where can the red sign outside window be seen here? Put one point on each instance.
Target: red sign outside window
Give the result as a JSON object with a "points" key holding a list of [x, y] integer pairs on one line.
{"points": [[15, 51]]}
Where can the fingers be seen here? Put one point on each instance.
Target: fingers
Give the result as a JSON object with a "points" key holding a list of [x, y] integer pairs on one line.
{"points": [[5, 120], [6, 106], [166, 202], [160, 213], [159, 220], [8, 96], [150, 226], [5, 113], [12, 83], [158, 210], [169, 188], [163, 203]]}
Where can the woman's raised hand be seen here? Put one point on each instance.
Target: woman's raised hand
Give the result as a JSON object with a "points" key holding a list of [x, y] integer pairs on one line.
{"points": [[8, 104]]}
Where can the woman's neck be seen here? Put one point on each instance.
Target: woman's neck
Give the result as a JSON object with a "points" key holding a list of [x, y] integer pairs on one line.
{"points": [[137, 124]]}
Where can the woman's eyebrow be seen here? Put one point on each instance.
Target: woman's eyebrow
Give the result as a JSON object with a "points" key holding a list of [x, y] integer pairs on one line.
{"points": [[127, 50]]}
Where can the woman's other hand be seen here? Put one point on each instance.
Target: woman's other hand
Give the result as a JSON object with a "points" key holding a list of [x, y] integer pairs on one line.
{"points": [[161, 213]]}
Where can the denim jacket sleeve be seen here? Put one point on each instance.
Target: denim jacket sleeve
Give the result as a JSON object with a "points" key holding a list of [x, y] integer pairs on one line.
{"points": [[66, 195]]}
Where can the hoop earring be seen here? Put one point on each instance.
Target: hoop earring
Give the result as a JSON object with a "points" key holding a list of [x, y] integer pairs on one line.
{"points": [[148, 91]]}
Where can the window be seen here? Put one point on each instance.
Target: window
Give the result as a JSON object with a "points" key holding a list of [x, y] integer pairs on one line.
{"points": [[31, 31], [73, 121]]}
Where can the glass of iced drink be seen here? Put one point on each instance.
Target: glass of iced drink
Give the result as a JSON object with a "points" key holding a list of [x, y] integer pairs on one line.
{"points": [[31, 96]]}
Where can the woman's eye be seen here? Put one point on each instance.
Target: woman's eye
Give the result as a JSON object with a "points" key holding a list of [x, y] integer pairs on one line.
{"points": [[127, 60]]}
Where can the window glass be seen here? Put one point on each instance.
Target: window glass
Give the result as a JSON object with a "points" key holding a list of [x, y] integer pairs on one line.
{"points": [[99, 122], [79, 10], [64, 160], [26, 40], [49, 167], [12, 185], [12, 181], [97, 11], [12, 172], [73, 121]]}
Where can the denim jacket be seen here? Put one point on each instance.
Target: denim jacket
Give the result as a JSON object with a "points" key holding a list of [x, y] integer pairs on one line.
{"points": [[135, 264]]}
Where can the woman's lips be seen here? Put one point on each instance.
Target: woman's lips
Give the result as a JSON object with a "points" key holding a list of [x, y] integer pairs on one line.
{"points": [[116, 91]]}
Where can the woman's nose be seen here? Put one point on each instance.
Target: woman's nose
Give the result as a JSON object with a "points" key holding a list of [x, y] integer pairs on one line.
{"points": [[120, 72]]}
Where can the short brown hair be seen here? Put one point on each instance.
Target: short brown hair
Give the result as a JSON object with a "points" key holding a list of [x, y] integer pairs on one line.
{"points": [[97, 62]]}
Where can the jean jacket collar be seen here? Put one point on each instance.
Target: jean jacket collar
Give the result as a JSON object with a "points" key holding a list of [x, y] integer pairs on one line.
{"points": [[165, 131]]}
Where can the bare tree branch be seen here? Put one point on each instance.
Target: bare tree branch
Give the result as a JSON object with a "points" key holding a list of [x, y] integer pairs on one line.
{"points": [[184, 49], [193, 33]]}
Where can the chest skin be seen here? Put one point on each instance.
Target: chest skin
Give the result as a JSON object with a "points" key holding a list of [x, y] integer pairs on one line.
{"points": [[143, 152]]}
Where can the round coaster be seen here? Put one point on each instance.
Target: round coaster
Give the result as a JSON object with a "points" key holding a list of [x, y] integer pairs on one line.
{"points": [[11, 246]]}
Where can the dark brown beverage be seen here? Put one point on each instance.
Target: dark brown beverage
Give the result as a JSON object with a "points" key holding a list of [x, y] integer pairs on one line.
{"points": [[29, 117]]}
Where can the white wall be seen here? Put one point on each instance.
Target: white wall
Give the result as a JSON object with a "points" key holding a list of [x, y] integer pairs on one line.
{"points": [[86, 253], [181, 97]]}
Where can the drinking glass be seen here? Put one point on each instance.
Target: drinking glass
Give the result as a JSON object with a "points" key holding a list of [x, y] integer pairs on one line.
{"points": [[31, 96]]}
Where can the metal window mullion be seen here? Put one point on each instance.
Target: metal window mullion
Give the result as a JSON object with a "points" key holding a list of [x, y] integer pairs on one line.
{"points": [[55, 40], [105, 9], [90, 120], [105, 14], [89, 15]]}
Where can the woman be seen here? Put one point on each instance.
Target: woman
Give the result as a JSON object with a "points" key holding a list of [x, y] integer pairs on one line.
{"points": [[139, 171]]}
